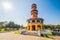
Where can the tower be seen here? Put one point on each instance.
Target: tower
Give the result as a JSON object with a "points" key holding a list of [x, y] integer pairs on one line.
{"points": [[35, 23]]}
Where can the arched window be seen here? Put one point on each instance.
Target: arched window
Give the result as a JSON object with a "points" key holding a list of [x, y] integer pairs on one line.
{"points": [[28, 21], [42, 21], [38, 21], [33, 21]]}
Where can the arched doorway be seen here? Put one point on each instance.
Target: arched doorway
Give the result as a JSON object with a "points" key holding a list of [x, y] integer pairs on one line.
{"points": [[33, 27], [29, 27], [39, 27]]}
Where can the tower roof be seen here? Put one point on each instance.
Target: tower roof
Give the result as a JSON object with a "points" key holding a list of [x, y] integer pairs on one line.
{"points": [[34, 4], [36, 11], [35, 19]]}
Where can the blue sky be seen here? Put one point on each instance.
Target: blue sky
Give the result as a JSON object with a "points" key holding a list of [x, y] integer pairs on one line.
{"points": [[20, 10]]}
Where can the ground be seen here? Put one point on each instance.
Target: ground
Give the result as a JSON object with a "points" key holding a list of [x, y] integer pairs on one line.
{"points": [[12, 36]]}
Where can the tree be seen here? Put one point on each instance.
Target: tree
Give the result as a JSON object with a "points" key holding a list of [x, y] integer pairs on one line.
{"points": [[47, 26], [57, 26], [12, 25]]}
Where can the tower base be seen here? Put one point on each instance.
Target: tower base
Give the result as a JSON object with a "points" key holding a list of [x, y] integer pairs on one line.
{"points": [[35, 27]]}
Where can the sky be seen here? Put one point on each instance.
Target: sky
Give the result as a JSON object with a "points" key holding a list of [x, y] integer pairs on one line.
{"points": [[19, 11]]}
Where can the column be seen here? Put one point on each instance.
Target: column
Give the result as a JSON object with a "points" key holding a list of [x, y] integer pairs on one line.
{"points": [[36, 28], [27, 27], [35, 21], [41, 26], [30, 21], [30, 27], [40, 21]]}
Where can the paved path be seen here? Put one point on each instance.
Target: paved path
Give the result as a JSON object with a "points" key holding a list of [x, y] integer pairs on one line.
{"points": [[12, 36]]}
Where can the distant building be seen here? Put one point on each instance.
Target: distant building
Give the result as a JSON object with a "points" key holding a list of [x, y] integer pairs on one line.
{"points": [[35, 23]]}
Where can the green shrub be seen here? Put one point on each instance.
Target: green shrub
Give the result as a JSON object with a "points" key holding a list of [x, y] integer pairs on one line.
{"points": [[14, 29], [7, 29], [11, 29], [16, 32], [43, 35], [53, 33], [49, 28], [2, 30], [50, 36]]}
